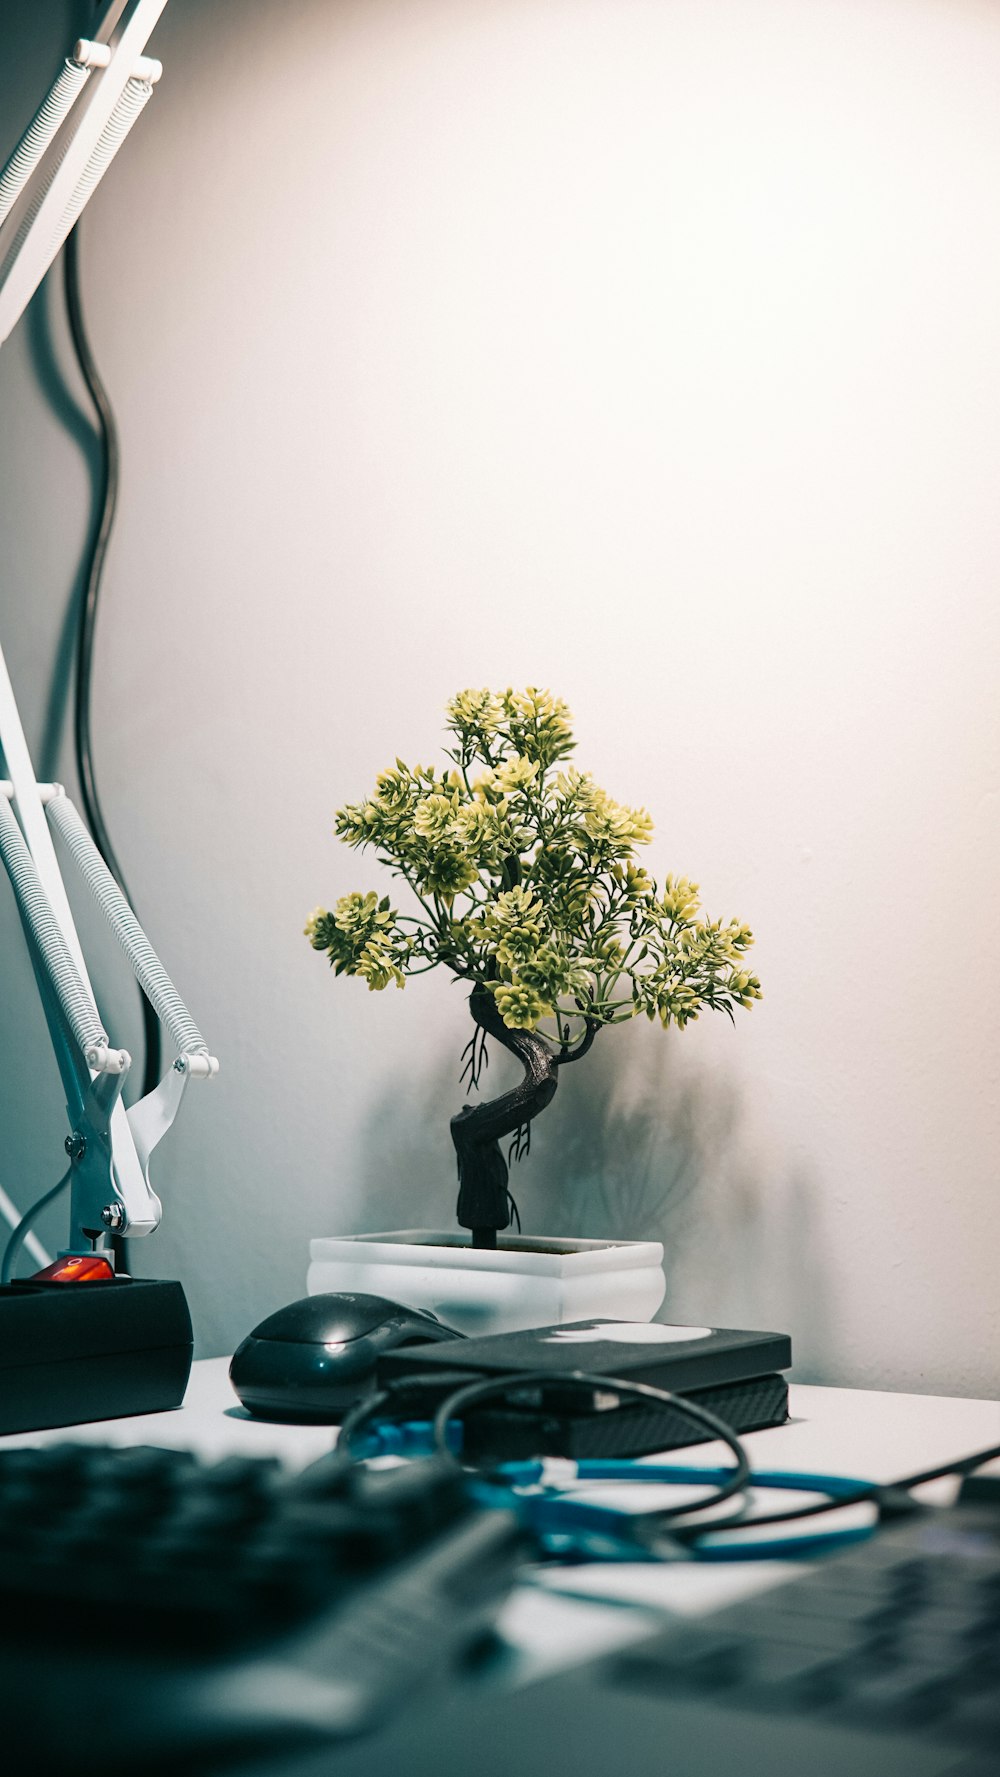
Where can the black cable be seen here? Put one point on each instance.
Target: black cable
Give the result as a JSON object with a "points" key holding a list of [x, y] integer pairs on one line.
{"points": [[367, 1409], [881, 1492], [473, 1392], [16, 1240], [110, 473], [884, 1494], [391, 1402]]}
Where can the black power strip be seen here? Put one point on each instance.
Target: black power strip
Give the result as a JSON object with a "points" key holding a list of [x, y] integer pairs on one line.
{"points": [[75, 1352]]}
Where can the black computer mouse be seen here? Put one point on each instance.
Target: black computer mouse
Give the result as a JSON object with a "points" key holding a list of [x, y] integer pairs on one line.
{"points": [[314, 1359]]}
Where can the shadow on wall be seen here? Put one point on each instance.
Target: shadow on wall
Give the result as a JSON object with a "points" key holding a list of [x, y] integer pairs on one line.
{"points": [[642, 1141], [655, 1143], [631, 1141], [611, 1158], [407, 1163]]}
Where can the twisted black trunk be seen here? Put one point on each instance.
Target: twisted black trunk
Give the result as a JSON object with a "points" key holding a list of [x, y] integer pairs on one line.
{"points": [[483, 1199]]}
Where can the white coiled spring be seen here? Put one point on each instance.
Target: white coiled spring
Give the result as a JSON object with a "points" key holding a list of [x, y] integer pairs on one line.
{"points": [[76, 1002], [135, 95], [40, 133], [146, 965]]}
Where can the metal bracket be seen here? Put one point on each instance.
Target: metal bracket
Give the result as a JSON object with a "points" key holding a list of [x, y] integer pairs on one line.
{"points": [[96, 1204]]}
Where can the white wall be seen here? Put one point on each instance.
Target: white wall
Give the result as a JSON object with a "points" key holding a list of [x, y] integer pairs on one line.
{"points": [[642, 348]]}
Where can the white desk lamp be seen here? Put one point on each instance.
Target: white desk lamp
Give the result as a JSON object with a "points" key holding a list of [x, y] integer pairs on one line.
{"points": [[103, 86]]}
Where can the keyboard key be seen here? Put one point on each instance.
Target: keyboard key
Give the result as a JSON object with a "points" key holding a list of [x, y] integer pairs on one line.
{"points": [[778, 1622], [976, 1720], [904, 1696], [695, 1658], [233, 1549], [834, 1604], [901, 1634]]}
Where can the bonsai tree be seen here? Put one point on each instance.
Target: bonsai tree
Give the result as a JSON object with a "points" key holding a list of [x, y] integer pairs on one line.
{"points": [[526, 885]]}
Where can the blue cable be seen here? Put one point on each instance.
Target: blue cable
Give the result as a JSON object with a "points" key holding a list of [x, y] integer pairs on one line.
{"points": [[412, 1437], [577, 1528], [573, 1527], [527, 1474]]}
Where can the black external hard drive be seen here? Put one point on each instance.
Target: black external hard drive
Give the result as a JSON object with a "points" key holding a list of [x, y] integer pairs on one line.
{"points": [[734, 1374]]}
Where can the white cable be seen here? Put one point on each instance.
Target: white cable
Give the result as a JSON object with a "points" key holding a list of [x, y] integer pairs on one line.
{"points": [[40, 132], [12, 1215]]}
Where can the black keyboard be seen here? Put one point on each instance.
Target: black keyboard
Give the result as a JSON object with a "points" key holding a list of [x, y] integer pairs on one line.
{"points": [[228, 1553], [899, 1633], [138, 1587], [881, 1661]]}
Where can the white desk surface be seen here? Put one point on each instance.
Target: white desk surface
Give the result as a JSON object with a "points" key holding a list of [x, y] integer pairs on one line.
{"points": [[564, 1615]]}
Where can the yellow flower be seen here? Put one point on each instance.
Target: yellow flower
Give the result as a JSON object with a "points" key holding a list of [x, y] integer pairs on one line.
{"points": [[475, 709], [516, 910], [311, 926], [358, 915], [376, 966], [679, 900], [611, 822], [517, 774], [433, 818], [520, 1007], [448, 872]]}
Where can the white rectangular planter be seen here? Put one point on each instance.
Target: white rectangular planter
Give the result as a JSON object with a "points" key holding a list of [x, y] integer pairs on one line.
{"points": [[527, 1281]]}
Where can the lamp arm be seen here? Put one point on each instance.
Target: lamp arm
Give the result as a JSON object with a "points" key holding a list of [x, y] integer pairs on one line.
{"points": [[44, 186], [45, 126], [119, 81], [76, 1000], [146, 965], [153, 1115], [111, 1148]]}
